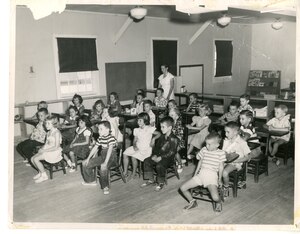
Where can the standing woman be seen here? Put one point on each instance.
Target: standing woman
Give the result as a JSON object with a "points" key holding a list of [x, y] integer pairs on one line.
{"points": [[166, 81]]}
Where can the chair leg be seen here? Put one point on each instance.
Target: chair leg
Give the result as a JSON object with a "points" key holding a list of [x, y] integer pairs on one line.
{"points": [[76, 164], [140, 168], [267, 166], [51, 171], [63, 166], [234, 187], [121, 173], [256, 173], [176, 172]]}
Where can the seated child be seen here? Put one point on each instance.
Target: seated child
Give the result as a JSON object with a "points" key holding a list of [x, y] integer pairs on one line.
{"points": [[233, 145], [247, 131], [244, 103], [114, 104], [142, 144], [171, 104], [139, 103], [80, 145], [108, 158], [40, 105], [162, 155], [201, 123], [77, 101], [280, 122], [107, 115], [159, 100], [208, 172], [50, 151], [178, 131], [69, 125], [37, 138], [148, 109], [139, 91], [96, 114], [194, 103], [231, 115]]}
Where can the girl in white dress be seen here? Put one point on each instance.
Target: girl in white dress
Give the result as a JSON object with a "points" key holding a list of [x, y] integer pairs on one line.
{"points": [[142, 143], [201, 123], [166, 81], [50, 152]]}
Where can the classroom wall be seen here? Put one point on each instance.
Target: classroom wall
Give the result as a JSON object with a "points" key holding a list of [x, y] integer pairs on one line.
{"points": [[34, 47], [275, 50]]}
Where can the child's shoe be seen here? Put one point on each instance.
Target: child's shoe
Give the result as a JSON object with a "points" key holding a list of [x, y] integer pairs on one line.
{"points": [[276, 161], [147, 183], [159, 187], [190, 156], [72, 169], [183, 161], [106, 191], [89, 184], [37, 176], [179, 168], [28, 164], [225, 191], [191, 205], [241, 184], [25, 160], [42, 178], [218, 207]]}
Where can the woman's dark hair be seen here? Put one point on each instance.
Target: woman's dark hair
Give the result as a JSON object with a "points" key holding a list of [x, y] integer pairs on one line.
{"points": [[115, 95], [165, 65], [85, 119], [248, 114], [145, 117], [79, 98], [97, 103], [72, 107]]}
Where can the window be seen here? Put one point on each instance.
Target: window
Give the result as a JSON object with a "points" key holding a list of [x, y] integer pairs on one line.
{"points": [[76, 66], [223, 58]]}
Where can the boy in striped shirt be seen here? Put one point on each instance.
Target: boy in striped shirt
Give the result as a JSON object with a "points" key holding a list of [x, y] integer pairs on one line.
{"points": [[208, 172], [107, 158]]}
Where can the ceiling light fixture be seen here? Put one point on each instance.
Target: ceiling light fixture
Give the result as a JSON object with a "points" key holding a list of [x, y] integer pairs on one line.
{"points": [[138, 13], [224, 20], [277, 25]]}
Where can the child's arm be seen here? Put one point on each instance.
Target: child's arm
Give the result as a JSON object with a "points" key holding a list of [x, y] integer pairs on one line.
{"points": [[91, 154], [134, 143], [221, 168], [108, 155], [156, 134], [198, 167], [242, 159]]}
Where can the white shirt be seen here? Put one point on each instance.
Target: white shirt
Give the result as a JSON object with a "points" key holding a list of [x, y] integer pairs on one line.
{"points": [[165, 83]]}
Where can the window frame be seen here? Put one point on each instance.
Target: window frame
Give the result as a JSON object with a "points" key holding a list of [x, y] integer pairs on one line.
{"points": [[215, 60], [95, 80]]}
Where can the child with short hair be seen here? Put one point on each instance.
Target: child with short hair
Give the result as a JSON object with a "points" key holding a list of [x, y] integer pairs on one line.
{"points": [[40, 105], [108, 158], [247, 131], [139, 91], [80, 144], [77, 101], [232, 114], [178, 130], [142, 144], [208, 172], [148, 109], [114, 104], [170, 105], [244, 103], [162, 156], [107, 114], [233, 145], [50, 152], [281, 122], [194, 103], [69, 125], [159, 100], [37, 138], [139, 103], [201, 123]]}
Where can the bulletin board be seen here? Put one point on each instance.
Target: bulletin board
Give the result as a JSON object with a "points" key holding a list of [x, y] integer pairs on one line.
{"points": [[125, 78], [192, 77], [262, 82]]}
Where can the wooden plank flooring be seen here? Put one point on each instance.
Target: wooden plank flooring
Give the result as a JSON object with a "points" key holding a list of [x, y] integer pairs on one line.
{"points": [[64, 199]]}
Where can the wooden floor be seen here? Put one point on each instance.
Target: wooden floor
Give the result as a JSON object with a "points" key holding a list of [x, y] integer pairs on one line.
{"points": [[64, 199]]}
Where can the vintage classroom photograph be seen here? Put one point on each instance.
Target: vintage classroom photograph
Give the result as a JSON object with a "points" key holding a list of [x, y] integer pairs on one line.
{"points": [[154, 115]]}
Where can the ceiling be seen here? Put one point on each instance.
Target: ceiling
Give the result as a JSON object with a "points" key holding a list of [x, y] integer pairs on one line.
{"points": [[238, 15]]}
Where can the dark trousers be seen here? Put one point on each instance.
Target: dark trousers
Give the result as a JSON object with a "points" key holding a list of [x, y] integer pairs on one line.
{"points": [[160, 167], [88, 171], [27, 148]]}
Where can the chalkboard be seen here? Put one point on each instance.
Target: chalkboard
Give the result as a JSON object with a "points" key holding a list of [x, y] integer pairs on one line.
{"points": [[192, 77], [125, 78], [263, 82]]}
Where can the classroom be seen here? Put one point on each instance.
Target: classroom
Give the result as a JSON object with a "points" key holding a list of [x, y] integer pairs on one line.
{"points": [[154, 114]]}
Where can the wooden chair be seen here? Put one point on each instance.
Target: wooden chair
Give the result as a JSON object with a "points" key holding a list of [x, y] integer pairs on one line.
{"points": [[171, 172], [199, 193], [54, 167], [236, 176], [287, 150]]}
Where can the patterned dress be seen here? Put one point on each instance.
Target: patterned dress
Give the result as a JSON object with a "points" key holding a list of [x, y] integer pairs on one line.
{"points": [[178, 131]]}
